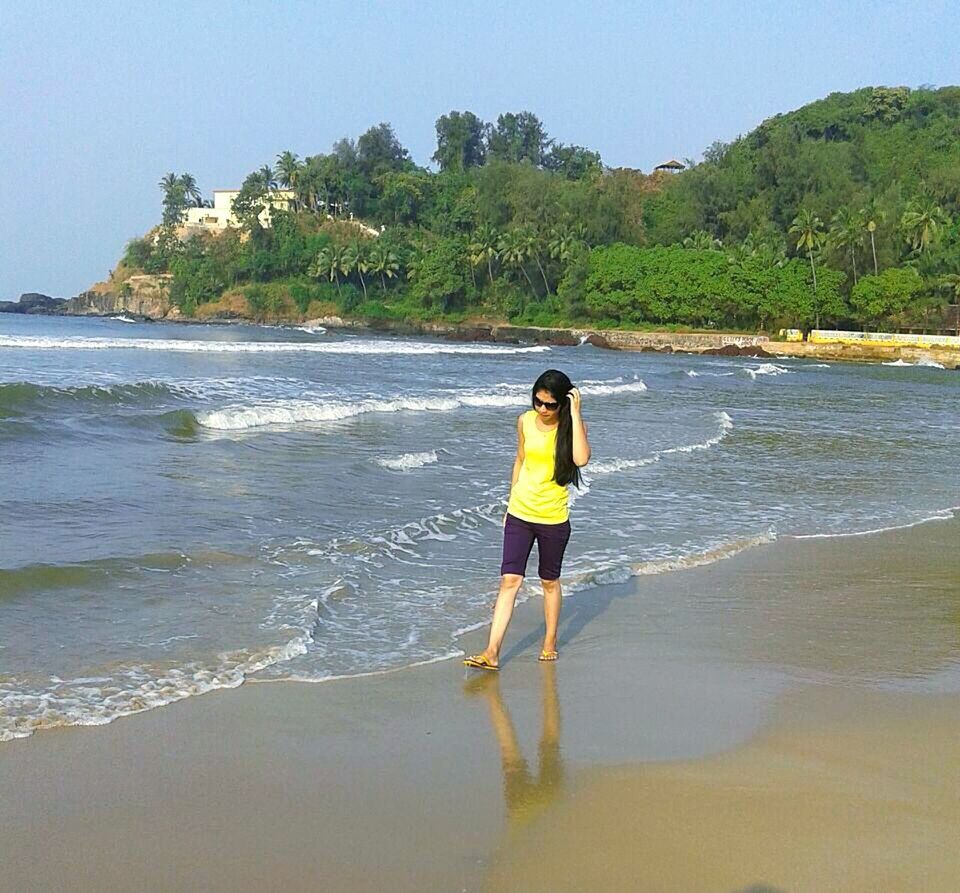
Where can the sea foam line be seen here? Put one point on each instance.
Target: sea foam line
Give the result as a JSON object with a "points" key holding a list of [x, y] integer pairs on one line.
{"points": [[612, 465], [292, 412], [37, 342], [940, 515]]}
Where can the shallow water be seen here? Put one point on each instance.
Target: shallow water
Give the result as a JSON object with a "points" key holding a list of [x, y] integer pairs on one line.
{"points": [[186, 507]]}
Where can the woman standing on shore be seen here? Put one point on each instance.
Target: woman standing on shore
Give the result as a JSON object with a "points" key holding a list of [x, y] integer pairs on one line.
{"points": [[552, 447]]}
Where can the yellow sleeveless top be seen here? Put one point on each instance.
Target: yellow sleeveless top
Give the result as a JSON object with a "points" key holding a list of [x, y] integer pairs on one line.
{"points": [[536, 496]]}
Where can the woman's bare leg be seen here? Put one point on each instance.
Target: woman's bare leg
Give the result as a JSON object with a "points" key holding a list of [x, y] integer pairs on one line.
{"points": [[502, 612], [552, 598]]}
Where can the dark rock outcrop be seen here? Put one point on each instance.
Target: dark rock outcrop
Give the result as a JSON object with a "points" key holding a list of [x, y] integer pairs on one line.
{"points": [[33, 302]]}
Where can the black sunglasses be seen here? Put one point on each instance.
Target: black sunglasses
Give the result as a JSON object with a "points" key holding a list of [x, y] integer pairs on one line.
{"points": [[546, 404]]}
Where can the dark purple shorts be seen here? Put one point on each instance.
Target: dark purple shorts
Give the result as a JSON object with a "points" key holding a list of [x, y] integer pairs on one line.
{"points": [[518, 537]]}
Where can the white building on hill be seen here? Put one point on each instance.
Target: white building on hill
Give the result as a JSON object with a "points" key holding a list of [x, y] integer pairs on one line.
{"points": [[221, 215]]}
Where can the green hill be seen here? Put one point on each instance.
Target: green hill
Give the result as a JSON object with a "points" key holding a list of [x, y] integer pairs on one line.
{"points": [[842, 212]]}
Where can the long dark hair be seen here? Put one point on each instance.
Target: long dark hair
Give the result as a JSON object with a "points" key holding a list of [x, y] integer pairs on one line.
{"points": [[565, 470]]}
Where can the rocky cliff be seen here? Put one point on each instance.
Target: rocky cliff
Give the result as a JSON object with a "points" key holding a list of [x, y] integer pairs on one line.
{"points": [[142, 295]]}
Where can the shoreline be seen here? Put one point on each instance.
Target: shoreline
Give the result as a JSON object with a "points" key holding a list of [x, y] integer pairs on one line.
{"points": [[695, 343], [698, 712]]}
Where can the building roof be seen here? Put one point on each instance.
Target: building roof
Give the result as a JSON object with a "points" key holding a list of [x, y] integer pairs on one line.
{"points": [[671, 165]]}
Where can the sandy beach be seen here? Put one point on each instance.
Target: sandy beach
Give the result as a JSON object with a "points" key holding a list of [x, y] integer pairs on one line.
{"points": [[782, 720]]}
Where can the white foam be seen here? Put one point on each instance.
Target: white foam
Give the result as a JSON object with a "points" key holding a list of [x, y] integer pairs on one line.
{"points": [[693, 374], [83, 702], [293, 412], [940, 515], [766, 369], [925, 362], [32, 342], [614, 465], [407, 461], [622, 573]]}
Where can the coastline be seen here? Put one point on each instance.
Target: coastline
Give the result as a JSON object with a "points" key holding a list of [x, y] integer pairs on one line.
{"points": [[708, 343], [755, 722]]}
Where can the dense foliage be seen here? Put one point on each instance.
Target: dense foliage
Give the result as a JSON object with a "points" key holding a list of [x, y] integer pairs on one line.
{"points": [[844, 212]]}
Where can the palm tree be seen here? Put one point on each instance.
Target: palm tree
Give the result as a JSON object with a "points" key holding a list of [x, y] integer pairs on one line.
{"points": [[702, 241], [168, 182], [267, 178], [385, 263], [871, 217], [533, 243], [562, 242], [921, 222], [190, 189], [289, 170], [355, 258], [846, 233], [483, 248], [808, 228], [513, 253], [329, 262]]}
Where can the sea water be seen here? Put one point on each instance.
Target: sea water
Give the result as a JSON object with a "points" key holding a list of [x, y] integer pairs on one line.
{"points": [[188, 507]]}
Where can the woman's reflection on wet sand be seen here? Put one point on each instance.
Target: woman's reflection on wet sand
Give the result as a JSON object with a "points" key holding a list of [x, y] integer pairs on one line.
{"points": [[526, 795]]}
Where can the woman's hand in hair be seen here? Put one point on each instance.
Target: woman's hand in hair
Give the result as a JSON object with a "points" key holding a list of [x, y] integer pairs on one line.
{"points": [[573, 395]]}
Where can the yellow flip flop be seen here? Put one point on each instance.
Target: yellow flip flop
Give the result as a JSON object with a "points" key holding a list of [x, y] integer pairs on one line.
{"points": [[548, 656], [480, 662]]}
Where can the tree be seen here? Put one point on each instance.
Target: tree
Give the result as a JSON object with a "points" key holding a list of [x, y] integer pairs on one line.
{"points": [[460, 141], [329, 263], [517, 138], [190, 190], [355, 258], [875, 298], [572, 162], [289, 170], [483, 248], [808, 228], [872, 216], [176, 199], [533, 245], [512, 249], [702, 241], [846, 235], [921, 223], [385, 263], [378, 150], [252, 199]]}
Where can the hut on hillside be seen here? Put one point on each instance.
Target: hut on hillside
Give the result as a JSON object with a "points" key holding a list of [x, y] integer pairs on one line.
{"points": [[673, 166]]}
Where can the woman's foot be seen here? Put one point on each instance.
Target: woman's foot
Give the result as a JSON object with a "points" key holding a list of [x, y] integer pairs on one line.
{"points": [[549, 651], [483, 661]]}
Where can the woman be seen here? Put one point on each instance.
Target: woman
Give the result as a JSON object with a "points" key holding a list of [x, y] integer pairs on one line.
{"points": [[552, 447]]}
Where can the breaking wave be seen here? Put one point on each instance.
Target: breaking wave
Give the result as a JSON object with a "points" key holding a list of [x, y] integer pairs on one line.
{"points": [[407, 461], [293, 412], [371, 346]]}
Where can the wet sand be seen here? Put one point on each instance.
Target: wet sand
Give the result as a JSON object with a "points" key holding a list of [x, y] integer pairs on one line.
{"points": [[783, 720]]}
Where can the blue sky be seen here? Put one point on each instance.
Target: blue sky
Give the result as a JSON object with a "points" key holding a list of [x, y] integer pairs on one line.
{"points": [[99, 100]]}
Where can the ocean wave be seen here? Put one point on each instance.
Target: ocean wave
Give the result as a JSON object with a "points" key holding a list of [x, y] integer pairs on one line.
{"points": [[293, 412], [947, 514], [133, 689], [37, 342], [408, 461], [925, 362], [766, 369], [619, 573], [609, 466], [16, 397]]}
